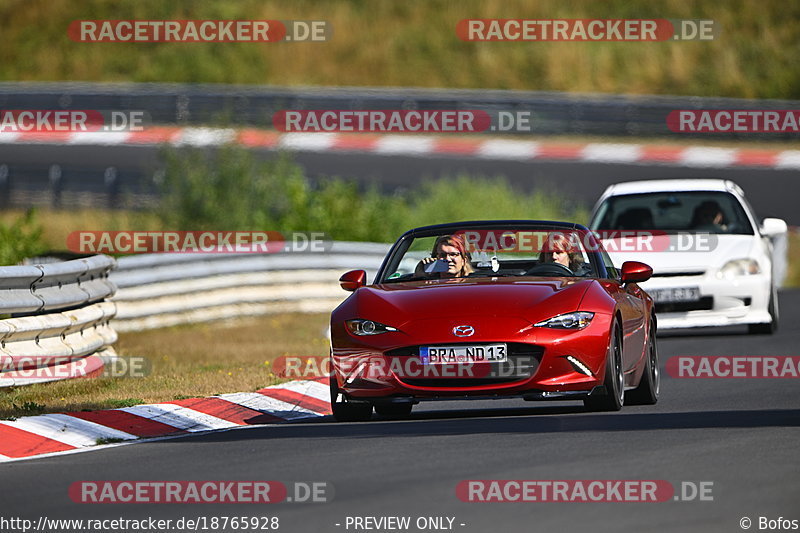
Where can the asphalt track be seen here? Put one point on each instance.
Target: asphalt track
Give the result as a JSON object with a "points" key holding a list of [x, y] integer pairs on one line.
{"points": [[772, 192], [740, 434]]}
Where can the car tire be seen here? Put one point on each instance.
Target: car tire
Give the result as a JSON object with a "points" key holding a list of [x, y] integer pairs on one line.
{"points": [[650, 383], [394, 410], [770, 327], [614, 379], [348, 411]]}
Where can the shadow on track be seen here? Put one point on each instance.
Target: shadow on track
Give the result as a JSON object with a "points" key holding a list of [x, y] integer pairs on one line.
{"points": [[530, 421]]}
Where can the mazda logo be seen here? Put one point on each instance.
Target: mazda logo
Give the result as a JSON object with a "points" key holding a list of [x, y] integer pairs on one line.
{"points": [[463, 331]]}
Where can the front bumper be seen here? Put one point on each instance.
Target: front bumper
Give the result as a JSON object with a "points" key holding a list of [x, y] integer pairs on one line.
{"points": [[391, 372], [743, 300]]}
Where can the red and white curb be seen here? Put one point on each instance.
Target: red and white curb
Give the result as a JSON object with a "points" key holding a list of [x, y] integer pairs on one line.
{"points": [[69, 432], [420, 146]]}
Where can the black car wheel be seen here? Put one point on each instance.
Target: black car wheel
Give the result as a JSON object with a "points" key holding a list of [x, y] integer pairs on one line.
{"points": [[344, 411], [650, 384], [614, 379]]}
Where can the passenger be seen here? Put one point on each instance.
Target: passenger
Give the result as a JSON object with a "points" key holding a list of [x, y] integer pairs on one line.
{"points": [[559, 249], [451, 249]]}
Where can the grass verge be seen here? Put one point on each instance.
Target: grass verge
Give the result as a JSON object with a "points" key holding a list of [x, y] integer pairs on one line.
{"points": [[793, 273]]}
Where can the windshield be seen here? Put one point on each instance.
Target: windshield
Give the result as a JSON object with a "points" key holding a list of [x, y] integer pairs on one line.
{"points": [[475, 252], [695, 211]]}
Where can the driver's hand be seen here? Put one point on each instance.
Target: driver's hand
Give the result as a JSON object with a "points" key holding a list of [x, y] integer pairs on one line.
{"points": [[420, 270]]}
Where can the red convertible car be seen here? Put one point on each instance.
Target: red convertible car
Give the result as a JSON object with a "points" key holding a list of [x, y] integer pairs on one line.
{"points": [[494, 309]]}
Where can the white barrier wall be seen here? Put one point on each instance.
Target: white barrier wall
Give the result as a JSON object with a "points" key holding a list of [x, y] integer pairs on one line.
{"points": [[159, 290], [55, 320]]}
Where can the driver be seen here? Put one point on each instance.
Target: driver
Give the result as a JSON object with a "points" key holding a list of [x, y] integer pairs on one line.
{"points": [[449, 248], [708, 216], [559, 249]]}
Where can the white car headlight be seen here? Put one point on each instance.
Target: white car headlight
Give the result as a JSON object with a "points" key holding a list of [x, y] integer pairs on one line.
{"points": [[576, 320], [739, 267], [367, 327]]}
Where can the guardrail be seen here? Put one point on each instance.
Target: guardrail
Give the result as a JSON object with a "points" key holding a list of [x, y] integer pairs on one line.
{"points": [[551, 112], [57, 324], [159, 290]]}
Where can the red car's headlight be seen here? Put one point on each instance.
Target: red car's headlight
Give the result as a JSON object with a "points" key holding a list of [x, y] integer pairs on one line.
{"points": [[367, 327], [576, 320]]}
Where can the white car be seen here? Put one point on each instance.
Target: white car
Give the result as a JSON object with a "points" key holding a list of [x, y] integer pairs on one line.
{"points": [[713, 262]]}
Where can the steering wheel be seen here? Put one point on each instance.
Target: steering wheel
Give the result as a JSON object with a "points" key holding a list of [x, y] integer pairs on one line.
{"points": [[550, 269]]}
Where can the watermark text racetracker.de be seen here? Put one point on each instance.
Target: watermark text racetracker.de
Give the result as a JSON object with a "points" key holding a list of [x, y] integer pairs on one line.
{"points": [[199, 31], [245, 242], [200, 491], [65, 367], [733, 366], [444, 363], [403, 121], [734, 121], [205, 241], [643, 241], [586, 30], [582, 490], [470, 365], [72, 121]]}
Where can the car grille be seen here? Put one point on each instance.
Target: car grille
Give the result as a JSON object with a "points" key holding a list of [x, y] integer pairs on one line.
{"points": [[523, 360], [706, 303]]}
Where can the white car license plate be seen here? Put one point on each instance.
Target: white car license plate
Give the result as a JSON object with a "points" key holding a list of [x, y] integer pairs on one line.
{"points": [[675, 294], [485, 353]]}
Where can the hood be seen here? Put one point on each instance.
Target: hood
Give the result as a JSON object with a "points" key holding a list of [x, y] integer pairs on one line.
{"points": [[700, 256], [529, 298]]}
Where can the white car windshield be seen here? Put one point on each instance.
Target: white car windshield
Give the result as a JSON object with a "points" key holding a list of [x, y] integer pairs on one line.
{"points": [[691, 211]]}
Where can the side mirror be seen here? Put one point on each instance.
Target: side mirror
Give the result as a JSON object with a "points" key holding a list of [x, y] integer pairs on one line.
{"points": [[352, 280], [772, 227], [635, 272]]}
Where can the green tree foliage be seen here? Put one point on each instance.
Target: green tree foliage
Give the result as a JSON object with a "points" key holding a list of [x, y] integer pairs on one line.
{"points": [[231, 189]]}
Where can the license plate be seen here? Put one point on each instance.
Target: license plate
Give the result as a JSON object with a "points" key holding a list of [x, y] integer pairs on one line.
{"points": [[485, 353], [675, 294]]}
